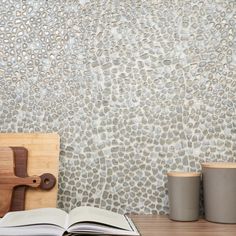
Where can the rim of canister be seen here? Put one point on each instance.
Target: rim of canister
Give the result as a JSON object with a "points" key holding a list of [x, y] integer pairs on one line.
{"points": [[183, 174], [218, 165]]}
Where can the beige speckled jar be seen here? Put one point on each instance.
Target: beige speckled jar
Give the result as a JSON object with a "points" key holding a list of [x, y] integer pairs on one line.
{"points": [[219, 189], [183, 191]]}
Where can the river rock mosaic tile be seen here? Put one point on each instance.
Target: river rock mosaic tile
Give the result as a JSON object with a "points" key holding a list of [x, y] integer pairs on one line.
{"points": [[134, 88]]}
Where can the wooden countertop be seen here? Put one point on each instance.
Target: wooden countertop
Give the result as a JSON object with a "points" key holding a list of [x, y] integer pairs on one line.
{"points": [[155, 225]]}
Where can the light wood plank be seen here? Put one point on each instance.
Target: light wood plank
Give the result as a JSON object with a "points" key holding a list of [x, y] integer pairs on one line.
{"points": [[43, 157], [155, 225]]}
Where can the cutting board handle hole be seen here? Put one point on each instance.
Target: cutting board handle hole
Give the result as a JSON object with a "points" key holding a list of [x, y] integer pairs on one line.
{"points": [[48, 181], [34, 181]]}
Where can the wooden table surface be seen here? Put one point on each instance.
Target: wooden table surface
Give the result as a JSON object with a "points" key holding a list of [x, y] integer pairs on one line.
{"points": [[155, 225]]}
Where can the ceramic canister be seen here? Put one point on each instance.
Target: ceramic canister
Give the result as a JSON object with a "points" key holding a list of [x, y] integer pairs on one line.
{"points": [[183, 192], [219, 189]]}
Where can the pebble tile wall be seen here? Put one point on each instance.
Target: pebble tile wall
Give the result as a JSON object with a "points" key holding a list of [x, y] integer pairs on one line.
{"points": [[134, 88]]}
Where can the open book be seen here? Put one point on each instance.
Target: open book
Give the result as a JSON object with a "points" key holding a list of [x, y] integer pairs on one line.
{"points": [[55, 222]]}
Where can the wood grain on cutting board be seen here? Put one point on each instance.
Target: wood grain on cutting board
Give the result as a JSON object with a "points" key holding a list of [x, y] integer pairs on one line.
{"points": [[43, 157]]}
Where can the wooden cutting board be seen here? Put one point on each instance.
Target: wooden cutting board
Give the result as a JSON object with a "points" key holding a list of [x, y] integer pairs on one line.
{"points": [[8, 179], [43, 157], [18, 195], [48, 181]]}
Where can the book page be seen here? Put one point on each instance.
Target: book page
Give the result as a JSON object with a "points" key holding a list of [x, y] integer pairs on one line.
{"points": [[96, 215], [99, 229], [36, 216], [30, 230]]}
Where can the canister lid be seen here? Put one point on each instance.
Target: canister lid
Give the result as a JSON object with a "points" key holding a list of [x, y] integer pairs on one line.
{"points": [[219, 165], [183, 174]]}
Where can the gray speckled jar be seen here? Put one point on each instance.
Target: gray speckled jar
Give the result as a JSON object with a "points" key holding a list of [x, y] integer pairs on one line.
{"points": [[219, 189], [183, 191]]}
